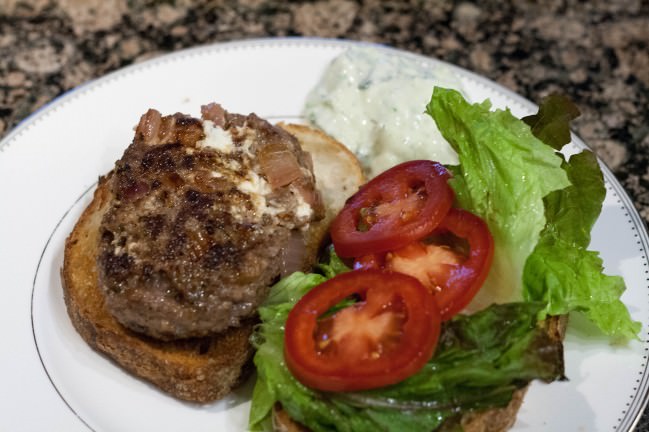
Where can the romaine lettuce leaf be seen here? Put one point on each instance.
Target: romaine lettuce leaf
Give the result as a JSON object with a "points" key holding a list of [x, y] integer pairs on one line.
{"points": [[503, 176], [480, 361], [539, 208], [561, 271]]}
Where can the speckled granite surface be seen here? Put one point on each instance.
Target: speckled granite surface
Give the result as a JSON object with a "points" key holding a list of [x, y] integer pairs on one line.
{"points": [[596, 52]]}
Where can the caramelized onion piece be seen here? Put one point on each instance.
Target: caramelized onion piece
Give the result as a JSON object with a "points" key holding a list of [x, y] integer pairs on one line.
{"points": [[294, 253], [149, 127], [279, 165], [214, 113], [154, 129], [311, 196], [167, 132]]}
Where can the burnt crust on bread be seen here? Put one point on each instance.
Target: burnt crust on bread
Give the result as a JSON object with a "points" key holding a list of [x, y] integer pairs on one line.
{"points": [[495, 419], [491, 420], [196, 370]]}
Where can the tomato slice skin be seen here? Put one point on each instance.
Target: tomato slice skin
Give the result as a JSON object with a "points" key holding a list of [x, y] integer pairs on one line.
{"points": [[343, 369], [456, 285], [464, 281], [407, 202]]}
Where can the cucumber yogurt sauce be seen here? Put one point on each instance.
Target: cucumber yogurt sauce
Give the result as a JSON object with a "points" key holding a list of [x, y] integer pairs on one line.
{"points": [[374, 103]]}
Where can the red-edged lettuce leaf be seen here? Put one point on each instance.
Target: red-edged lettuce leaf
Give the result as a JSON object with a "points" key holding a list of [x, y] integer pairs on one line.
{"points": [[551, 124]]}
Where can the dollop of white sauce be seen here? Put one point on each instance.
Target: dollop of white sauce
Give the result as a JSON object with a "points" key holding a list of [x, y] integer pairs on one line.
{"points": [[374, 102]]}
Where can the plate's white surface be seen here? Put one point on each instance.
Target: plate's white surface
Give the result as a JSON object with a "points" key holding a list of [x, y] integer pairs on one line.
{"points": [[50, 379]]}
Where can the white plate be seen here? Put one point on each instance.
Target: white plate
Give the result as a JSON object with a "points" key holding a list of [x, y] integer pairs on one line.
{"points": [[51, 380]]}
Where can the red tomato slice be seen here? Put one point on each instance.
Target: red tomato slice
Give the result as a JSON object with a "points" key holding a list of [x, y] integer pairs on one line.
{"points": [[401, 205], [385, 337], [455, 279]]}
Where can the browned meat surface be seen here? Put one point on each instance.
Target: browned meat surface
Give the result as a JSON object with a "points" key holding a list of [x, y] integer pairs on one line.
{"points": [[202, 213]]}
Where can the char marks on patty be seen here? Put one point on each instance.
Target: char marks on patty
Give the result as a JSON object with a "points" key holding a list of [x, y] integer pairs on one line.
{"points": [[202, 212]]}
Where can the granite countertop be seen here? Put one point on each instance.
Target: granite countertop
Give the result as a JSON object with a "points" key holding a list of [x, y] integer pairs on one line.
{"points": [[596, 52]]}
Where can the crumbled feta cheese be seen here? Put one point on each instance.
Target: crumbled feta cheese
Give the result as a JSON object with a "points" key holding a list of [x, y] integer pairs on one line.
{"points": [[250, 138], [257, 188], [255, 184], [303, 209], [216, 138]]}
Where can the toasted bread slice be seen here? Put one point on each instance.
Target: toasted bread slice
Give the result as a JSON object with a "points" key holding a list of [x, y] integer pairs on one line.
{"points": [[197, 370]]}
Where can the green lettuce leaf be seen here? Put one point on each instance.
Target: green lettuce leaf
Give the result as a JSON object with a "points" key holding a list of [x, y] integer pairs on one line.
{"points": [[268, 339], [503, 176], [561, 272], [494, 349], [539, 208], [480, 361], [552, 123], [332, 265]]}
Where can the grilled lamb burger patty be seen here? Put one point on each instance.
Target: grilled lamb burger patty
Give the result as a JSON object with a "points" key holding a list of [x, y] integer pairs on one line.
{"points": [[202, 212]]}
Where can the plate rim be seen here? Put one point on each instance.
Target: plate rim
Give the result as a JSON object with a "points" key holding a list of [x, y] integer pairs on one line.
{"points": [[629, 418]]}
